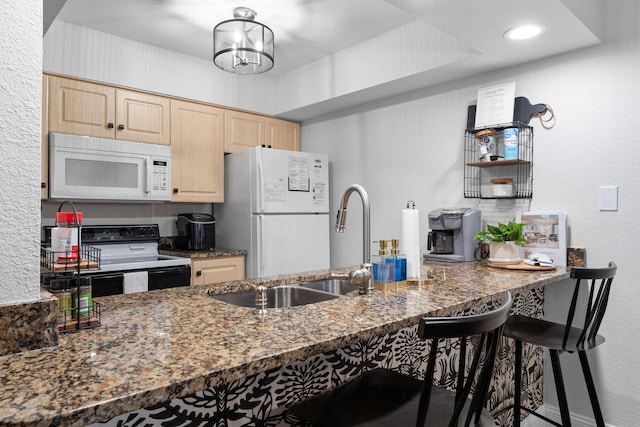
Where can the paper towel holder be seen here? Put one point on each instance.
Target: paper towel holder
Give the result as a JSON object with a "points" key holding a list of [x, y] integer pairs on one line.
{"points": [[411, 204]]}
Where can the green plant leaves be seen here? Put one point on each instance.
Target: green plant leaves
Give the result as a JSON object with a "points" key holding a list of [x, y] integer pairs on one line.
{"points": [[511, 232]]}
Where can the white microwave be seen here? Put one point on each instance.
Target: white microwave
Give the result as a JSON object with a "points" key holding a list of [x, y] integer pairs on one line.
{"points": [[88, 168]]}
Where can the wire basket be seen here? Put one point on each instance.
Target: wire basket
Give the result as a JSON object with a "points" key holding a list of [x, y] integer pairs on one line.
{"points": [[86, 258], [76, 309], [69, 320]]}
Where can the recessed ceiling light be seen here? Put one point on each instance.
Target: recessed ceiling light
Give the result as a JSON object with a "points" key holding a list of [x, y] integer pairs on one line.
{"points": [[524, 32]]}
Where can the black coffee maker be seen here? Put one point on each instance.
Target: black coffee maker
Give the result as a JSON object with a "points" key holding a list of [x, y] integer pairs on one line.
{"points": [[451, 234], [196, 231]]}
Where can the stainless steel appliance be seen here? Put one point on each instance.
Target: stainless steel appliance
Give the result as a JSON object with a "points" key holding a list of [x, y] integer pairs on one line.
{"points": [[452, 232], [276, 207], [196, 231], [87, 168], [131, 252]]}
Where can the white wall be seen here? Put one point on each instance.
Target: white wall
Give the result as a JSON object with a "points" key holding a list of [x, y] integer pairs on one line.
{"points": [[20, 116], [360, 72], [410, 147], [82, 52]]}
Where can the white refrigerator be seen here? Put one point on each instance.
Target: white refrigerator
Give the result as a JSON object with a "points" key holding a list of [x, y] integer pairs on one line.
{"points": [[276, 207]]}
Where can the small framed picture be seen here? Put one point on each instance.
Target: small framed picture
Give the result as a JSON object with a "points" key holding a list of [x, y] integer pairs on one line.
{"points": [[546, 233]]}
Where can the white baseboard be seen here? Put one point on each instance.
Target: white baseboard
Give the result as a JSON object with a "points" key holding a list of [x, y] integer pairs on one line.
{"points": [[533, 421], [553, 412]]}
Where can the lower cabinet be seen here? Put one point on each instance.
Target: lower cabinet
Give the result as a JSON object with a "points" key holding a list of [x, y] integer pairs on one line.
{"points": [[215, 270]]}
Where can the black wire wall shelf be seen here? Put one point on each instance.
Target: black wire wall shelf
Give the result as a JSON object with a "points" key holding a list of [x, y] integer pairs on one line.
{"points": [[487, 175]]}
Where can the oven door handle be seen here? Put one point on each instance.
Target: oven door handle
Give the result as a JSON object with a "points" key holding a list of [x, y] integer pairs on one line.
{"points": [[168, 269], [106, 276]]}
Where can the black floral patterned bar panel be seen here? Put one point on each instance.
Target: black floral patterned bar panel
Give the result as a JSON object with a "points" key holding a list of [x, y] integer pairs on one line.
{"points": [[261, 400]]}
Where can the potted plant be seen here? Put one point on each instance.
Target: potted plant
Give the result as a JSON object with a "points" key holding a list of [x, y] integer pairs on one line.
{"points": [[504, 240]]}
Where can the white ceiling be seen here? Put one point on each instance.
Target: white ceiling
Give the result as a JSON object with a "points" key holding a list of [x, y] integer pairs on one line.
{"points": [[309, 30]]}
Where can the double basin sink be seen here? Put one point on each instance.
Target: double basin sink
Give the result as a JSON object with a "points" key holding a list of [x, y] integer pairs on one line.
{"points": [[285, 296]]}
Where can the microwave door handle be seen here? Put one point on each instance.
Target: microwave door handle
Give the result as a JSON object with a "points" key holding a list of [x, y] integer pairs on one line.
{"points": [[149, 172]]}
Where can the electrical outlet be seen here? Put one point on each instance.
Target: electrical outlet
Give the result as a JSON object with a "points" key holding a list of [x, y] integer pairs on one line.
{"points": [[608, 198]]}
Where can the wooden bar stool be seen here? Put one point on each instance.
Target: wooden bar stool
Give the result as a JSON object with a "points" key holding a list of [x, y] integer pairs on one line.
{"points": [[382, 397], [593, 285]]}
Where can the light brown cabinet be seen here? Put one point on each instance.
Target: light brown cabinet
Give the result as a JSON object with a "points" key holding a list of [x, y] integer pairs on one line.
{"points": [[197, 172], [81, 108], [246, 130], [44, 140], [142, 117], [243, 131], [282, 134], [91, 109], [215, 270], [199, 133]]}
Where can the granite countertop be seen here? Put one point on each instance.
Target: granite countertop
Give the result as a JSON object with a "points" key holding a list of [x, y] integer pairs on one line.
{"points": [[154, 346], [209, 253]]}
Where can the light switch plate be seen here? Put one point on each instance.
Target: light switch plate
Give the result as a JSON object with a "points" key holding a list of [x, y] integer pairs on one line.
{"points": [[608, 198]]}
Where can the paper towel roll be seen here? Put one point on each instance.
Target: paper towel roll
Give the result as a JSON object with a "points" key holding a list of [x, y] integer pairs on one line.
{"points": [[410, 243]]}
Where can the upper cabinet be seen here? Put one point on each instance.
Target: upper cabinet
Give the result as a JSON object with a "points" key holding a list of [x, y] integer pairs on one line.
{"points": [[243, 131], [81, 108], [142, 117], [283, 135], [91, 109], [199, 133], [246, 130], [197, 152]]}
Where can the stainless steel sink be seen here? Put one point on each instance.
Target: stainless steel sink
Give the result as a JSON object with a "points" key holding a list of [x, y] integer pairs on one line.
{"points": [[277, 297], [333, 286]]}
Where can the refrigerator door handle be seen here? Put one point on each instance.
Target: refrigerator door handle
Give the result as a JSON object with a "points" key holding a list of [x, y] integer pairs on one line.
{"points": [[260, 183]]}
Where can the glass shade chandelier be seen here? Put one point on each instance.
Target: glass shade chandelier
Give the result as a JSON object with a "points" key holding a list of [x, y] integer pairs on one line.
{"points": [[242, 45]]}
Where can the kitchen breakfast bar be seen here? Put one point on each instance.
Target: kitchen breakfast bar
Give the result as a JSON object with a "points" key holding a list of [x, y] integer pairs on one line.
{"points": [[161, 345]]}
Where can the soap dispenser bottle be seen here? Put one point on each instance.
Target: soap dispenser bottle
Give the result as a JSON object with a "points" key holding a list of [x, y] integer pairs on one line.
{"points": [[383, 265], [399, 261]]}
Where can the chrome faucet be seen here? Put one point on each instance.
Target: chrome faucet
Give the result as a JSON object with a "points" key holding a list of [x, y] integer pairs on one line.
{"points": [[364, 276]]}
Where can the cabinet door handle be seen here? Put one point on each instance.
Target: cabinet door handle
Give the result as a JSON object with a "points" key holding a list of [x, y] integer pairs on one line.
{"points": [[43, 185], [198, 273], [175, 190], [109, 125], [120, 127]]}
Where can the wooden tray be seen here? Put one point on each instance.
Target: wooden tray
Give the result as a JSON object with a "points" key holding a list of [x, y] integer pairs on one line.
{"points": [[72, 324], [522, 266], [73, 265]]}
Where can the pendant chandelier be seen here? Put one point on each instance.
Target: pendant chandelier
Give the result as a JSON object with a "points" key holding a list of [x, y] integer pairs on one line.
{"points": [[242, 45]]}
